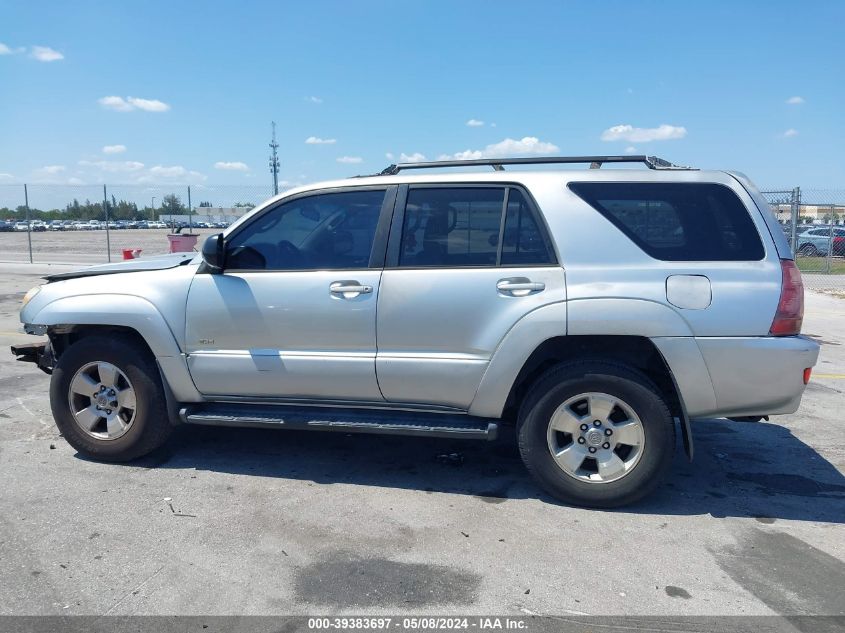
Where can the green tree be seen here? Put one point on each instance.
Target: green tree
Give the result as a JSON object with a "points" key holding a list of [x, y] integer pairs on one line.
{"points": [[172, 205]]}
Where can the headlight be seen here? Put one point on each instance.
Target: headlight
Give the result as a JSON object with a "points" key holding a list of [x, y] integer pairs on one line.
{"points": [[29, 295]]}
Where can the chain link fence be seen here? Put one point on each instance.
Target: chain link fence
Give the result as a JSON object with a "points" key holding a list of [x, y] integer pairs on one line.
{"points": [[92, 224], [98, 223], [813, 221]]}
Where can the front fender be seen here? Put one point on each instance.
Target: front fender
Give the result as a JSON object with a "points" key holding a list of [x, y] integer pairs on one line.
{"points": [[109, 309]]}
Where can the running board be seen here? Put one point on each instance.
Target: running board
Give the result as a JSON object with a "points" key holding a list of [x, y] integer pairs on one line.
{"points": [[385, 422]]}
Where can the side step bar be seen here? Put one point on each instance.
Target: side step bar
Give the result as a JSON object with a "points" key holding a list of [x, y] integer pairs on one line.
{"points": [[341, 419]]}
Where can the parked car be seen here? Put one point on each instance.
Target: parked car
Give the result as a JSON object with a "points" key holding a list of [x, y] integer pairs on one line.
{"points": [[55, 225], [22, 226], [817, 241], [392, 304], [6, 227]]}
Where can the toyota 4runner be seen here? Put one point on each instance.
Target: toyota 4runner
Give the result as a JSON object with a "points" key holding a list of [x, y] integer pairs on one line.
{"points": [[597, 310]]}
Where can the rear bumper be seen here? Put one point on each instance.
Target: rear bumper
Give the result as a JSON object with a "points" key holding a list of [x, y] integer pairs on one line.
{"points": [[740, 376]]}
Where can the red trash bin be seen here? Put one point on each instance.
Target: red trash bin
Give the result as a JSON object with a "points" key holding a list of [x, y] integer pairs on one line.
{"points": [[131, 253], [182, 242]]}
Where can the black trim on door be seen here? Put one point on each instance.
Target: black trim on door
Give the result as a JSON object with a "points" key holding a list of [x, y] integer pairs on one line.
{"points": [[380, 239], [394, 244]]}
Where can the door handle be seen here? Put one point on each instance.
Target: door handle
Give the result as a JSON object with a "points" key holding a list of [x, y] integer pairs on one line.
{"points": [[349, 289], [519, 286]]}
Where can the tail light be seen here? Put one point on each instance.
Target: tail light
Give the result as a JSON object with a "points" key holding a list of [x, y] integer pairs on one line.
{"points": [[838, 245], [790, 312]]}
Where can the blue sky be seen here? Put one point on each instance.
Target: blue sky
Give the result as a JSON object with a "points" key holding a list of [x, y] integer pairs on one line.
{"points": [[163, 92]]}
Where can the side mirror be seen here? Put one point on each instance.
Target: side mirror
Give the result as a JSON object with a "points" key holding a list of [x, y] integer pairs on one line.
{"points": [[213, 253]]}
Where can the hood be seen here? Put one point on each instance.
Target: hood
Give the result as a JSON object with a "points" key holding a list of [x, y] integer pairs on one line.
{"points": [[158, 262]]}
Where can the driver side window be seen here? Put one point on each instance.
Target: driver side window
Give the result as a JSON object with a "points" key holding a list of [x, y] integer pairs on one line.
{"points": [[324, 231]]}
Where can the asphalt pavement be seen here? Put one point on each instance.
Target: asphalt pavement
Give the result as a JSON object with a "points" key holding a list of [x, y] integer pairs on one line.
{"points": [[245, 521]]}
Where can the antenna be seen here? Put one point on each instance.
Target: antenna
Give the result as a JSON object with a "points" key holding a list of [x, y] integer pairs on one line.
{"points": [[274, 161]]}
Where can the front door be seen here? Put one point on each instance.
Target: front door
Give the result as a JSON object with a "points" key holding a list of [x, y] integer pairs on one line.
{"points": [[293, 315]]}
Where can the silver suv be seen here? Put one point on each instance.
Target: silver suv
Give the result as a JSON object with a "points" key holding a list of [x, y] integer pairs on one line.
{"points": [[596, 310]]}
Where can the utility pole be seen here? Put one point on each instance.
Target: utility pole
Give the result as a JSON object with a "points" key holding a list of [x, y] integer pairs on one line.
{"points": [[274, 161]]}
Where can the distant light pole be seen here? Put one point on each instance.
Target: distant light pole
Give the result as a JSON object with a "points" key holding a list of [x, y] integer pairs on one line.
{"points": [[153, 209]]}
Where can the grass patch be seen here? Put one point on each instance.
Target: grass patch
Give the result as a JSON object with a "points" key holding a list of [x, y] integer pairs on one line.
{"points": [[819, 265]]}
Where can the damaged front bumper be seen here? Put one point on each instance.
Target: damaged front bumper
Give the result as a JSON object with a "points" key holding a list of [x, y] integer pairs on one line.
{"points": [[39, 353]]}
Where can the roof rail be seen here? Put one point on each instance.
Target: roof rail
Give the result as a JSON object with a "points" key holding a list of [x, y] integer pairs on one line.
{"points": [[652, 162]]}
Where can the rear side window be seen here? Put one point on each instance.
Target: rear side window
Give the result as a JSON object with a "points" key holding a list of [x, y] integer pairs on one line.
{"points": [[458, 227], [677, 221]]}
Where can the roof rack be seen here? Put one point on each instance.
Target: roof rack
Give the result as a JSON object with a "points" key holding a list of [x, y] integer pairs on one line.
{"points": [[652, 162]]}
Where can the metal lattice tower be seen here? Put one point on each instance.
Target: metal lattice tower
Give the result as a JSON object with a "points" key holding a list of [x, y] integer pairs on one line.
{"points": [[274, 161]]}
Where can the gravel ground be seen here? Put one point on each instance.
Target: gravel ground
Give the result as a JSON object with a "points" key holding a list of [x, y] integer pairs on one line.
{"points": [[86, 246], [243, 521]]}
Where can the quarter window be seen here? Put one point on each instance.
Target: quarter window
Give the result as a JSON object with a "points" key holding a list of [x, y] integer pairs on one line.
{"points": [[325, 231], [677, 221], [523, 242]]}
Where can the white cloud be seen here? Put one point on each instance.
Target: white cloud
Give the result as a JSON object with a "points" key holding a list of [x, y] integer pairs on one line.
{"points": [[630, 149], [475, 123], [134, 172], [162, 173], [314, 99], [128, 104], [114, 149], [45, 54], [231, 166], [315, 140], [795, 100], [790, 132], [416, 157], [150, 105], [5, 50], [75, 181], [115, 103], [643, 134], [507, 147], [6, 177], [52, 169], [114, 166], [350, 160], [175, 171], [389, 156]]}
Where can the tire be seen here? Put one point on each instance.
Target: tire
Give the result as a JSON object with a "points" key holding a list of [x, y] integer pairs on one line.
{"points": [[645, 450], [122, 433]]}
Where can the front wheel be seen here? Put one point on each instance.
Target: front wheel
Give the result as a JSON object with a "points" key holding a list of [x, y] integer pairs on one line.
{"points": [[596, 434], [107, 399]]}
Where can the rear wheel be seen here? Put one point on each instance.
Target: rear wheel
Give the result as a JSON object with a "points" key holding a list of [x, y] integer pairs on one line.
{"points": [[107, 399], [596, 434]]}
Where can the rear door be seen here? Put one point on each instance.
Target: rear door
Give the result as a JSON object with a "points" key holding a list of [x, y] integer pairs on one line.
{"points": [[464, 264]]}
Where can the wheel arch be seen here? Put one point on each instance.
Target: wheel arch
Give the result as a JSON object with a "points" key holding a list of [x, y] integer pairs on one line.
{"points": [[637, 352], [70, 318], [127, 313]]}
